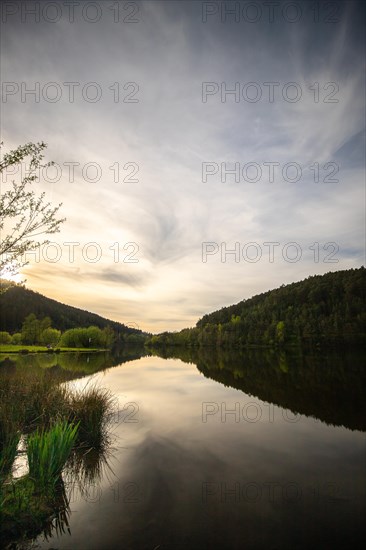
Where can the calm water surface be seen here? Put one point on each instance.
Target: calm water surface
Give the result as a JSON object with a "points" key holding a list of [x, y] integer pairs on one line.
{"points": [[197, 463]]}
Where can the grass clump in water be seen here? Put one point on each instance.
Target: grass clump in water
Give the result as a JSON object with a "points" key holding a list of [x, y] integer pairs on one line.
{"points": [[65, 430], [47, 453], [91, 408]]}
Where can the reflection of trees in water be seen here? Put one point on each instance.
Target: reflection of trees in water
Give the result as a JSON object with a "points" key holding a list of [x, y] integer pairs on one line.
{"points": [[71, 365], [328, 386]]}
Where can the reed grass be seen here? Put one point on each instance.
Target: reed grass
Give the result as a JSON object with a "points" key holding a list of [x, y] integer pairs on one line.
{"points": [[47, 453], [91, 407], [33, 401], [8, 450], [66, 432]]}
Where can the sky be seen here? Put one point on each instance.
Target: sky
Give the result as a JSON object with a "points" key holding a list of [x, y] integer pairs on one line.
{"points": [[181, 131]]}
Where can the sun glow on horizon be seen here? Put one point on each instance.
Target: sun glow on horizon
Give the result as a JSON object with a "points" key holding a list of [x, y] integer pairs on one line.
{"points": [[14, 277]]}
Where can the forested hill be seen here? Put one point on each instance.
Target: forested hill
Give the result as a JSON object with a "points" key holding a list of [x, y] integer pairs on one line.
{"points": [[326, 308], [17, 302]]}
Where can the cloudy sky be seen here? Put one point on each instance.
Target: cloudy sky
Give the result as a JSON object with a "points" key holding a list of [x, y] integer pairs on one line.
{"points": [[181, 131]]}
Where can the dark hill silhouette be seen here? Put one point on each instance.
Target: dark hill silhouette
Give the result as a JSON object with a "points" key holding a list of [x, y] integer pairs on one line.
{"points": [[16, 302]]}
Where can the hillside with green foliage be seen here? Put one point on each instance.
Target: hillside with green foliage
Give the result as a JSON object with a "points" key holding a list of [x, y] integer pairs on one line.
{"points": [[18, 302], [322, 309]]}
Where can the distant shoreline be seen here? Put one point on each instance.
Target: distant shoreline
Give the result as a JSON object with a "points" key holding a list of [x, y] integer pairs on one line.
{"points": [[25, 350]]}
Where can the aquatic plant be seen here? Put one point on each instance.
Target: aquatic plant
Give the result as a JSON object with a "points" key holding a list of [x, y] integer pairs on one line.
{"points": [[47, 452]]}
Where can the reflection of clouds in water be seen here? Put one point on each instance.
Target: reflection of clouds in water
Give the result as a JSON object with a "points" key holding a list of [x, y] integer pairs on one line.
{"points": [[20, 465], [162, 462]]}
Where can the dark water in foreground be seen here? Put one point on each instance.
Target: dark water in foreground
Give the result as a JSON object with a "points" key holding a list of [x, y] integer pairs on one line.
{"points": [[233, 451]]}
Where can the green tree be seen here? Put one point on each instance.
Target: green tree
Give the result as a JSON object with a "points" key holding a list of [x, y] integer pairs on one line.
{"points": [[95, 337], [50, 336], [5, 337], [44, 324], [24, 215], [33, 328], [16, 339], [235, 319], [91, 337], [30, 329], [280, 332], [108, 336], [72, 338]]}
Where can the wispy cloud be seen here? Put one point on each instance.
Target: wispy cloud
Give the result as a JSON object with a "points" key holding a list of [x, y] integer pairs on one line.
{"points": [[170, 132]]}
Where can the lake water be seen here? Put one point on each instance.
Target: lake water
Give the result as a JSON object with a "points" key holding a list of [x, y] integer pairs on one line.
{"points": [[228, 451]]}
